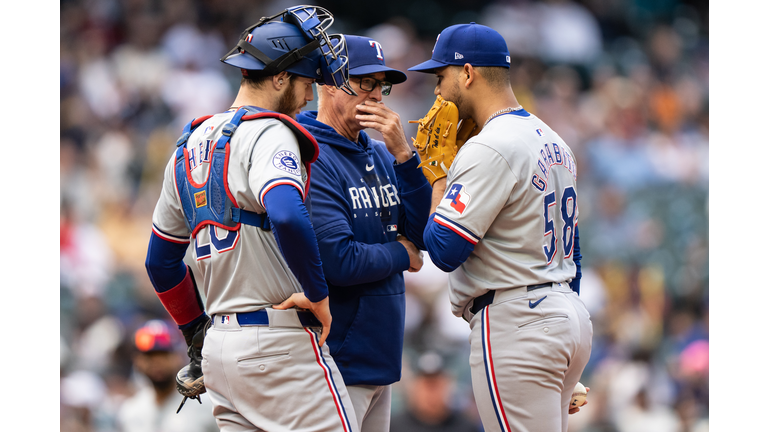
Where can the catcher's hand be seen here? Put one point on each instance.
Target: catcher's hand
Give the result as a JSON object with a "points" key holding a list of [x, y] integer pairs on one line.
{"points": [[439, 138], [189, 380]]}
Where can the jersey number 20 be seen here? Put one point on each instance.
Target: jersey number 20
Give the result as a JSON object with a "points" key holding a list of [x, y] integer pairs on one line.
{"points": [[568, 216], [220, 244]]}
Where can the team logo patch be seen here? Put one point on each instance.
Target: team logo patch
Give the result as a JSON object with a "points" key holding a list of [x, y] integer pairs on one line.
{"points": [[200, 199], [287, 161], [459, 197]]}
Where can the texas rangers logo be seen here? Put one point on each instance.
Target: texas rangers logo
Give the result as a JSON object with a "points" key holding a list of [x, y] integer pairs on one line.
{"points": [[459, 197], [374, 44], [287, 161]]}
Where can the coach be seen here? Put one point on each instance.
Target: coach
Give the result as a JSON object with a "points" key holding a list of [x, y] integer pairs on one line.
{"points": [[369, 205]]}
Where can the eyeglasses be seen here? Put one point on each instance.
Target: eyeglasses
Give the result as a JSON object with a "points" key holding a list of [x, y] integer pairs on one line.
{"points": [[368, 84]]}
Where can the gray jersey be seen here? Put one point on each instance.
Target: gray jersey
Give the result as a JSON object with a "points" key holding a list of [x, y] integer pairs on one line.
{"points": [[242, 270], [512, 192]]}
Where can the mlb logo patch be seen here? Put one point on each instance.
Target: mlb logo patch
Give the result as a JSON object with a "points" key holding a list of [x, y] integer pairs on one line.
{"points": [[200, 199], [540, 132], [459, 197], [207, 130], [225, 319]]}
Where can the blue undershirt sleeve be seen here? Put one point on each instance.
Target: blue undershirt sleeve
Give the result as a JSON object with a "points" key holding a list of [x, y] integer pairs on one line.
{"points": [[165, 263], [447, 250], [296, 239]]}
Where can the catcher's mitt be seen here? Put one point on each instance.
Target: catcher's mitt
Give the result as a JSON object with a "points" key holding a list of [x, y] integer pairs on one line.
{"points": [[189, 380], [439, 138]]}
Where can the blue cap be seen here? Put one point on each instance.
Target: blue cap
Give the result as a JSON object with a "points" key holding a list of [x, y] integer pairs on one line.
{"points": [[470, 43], [366, 56]]}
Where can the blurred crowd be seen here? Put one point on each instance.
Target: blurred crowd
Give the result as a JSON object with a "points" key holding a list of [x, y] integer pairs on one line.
{"points": [[624, 82]]}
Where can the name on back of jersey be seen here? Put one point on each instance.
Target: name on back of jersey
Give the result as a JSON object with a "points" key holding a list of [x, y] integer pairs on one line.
{"points": [[200, 153], [557, 155]]}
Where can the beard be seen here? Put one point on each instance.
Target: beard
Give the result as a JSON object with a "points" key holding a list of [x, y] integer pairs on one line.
{"points": [[457, 99], [287, 103], [162, 384], [459, 102]]}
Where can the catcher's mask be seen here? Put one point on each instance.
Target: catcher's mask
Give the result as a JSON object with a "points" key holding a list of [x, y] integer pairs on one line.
{"points": [[294, 41]]}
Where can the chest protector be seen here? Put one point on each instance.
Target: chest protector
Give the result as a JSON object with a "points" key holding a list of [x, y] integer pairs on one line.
{"points": [[211, 202]]}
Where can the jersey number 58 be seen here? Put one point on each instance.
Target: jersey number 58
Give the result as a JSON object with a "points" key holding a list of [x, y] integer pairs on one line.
{"points": [[567, 215]]}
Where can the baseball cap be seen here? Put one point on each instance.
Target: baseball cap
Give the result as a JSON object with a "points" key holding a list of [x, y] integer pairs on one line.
{"points": [[430, 363], [471, 43], [366, 56], [154, 335]]}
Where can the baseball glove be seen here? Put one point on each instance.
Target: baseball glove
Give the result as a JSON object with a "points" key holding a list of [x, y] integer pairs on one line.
{"points": [[189, 380], [439, 138]]}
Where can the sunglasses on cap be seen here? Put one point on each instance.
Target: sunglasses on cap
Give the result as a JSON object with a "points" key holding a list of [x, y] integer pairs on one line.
{"points": [[368, 84]]}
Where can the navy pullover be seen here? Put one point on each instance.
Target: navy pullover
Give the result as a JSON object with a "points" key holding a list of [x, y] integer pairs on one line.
{"points": [[360, 201]]}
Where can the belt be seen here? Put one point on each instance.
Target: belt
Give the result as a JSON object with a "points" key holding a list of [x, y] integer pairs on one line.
{"points": [[487, 298], [261, 318]]}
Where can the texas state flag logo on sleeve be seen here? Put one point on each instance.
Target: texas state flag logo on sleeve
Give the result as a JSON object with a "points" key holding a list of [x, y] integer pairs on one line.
{"points": [[459, 197]]}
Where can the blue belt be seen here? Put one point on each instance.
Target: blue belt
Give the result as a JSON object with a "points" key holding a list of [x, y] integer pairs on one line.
{"points": [[261, 318], [487, 298]]}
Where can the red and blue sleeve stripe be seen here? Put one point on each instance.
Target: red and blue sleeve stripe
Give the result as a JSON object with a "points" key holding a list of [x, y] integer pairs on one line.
{"points": [[277, 182], [169, 237], [449, 244]]}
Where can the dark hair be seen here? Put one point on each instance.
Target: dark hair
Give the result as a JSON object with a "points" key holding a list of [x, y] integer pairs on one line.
{"points": [[496, 77], [256, 78]]}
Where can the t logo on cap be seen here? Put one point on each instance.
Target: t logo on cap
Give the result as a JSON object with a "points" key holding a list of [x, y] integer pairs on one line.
{"points": [[436, 40], [377, 45]]}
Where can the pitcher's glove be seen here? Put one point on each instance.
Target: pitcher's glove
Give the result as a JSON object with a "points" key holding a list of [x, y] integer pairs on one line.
{"points": [[439, 138], [189, 380]]}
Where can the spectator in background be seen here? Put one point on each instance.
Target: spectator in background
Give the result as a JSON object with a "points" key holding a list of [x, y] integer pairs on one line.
{"points": [[428, 398], [153, 407]]}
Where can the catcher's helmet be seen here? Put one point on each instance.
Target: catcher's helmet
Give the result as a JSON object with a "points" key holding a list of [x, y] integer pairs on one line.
{"points": [[294, 41]]}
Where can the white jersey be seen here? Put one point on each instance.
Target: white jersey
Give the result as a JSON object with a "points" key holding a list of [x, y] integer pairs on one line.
{"points": [[141, 413], [512, 192], [242, 270]]}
